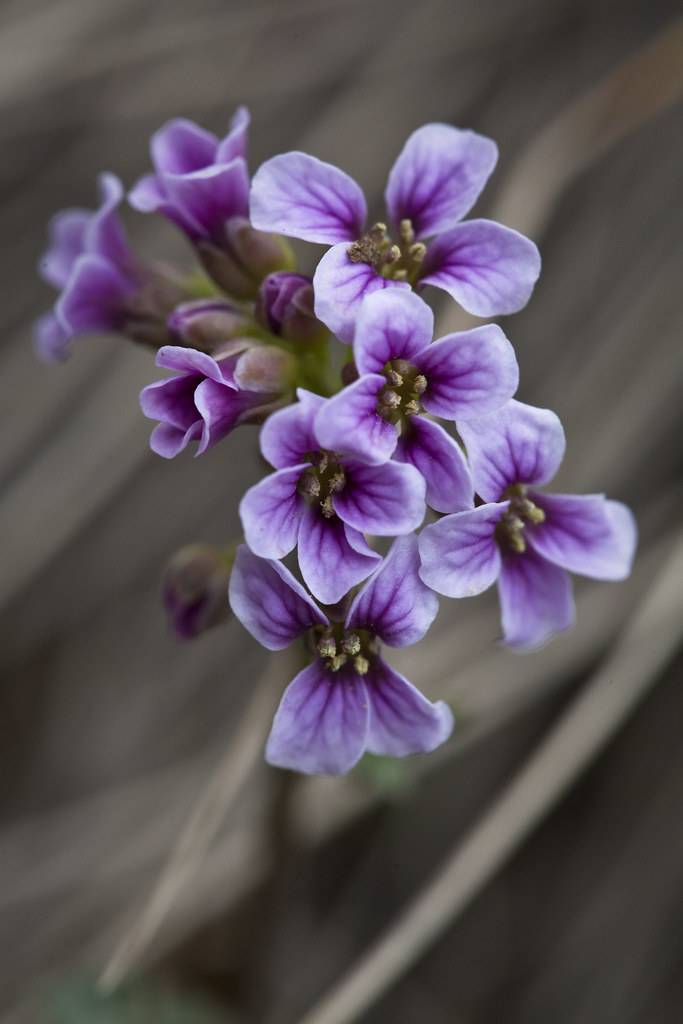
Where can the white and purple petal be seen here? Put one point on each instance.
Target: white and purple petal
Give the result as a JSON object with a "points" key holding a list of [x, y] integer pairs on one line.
{"points": [[395, 604], [271, 512], [330, 563], [535, 599], [519, 444], [402, 720], [349, 422], [168, 441], [438, 177], [188, 360], [469, 374], [487, 268], [459, 554], [321, 725], [340, 285], [66, 233], [50, 340], [384, 501], [208, 197], [586, 534], [288, 436], [391, 324], [235, 142], [269, 602], [221, 408], [298, 195], [440, 459], [104, 234], [94, 297], [180, 146]]}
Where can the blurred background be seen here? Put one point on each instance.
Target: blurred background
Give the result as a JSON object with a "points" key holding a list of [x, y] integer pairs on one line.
{"points": [[112, 729]]}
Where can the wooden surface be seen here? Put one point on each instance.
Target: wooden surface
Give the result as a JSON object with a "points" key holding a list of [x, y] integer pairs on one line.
{"points": [[110, 727]]}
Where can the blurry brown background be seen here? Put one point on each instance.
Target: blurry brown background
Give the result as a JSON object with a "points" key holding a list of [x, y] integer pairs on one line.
{"points": [[110, 729]]}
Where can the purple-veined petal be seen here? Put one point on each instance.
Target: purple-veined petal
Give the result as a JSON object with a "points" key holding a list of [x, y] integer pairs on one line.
{"points": [[321, 725], [359, 544], [297, 194], [94, 297], [469, 374], [341, 285], [439, 458], [535, 600], [459, 554], [287, 436], [235, 142], [519, 444], [391, 324], [210, 196], [402, 720], [149, 195], [188, 360], [66, 232], [171, 401], [220, 407], [329, 564], [269, 602], [487, 268], [104, 234], [180, 146], [50, 341], [586, 534], [349, 422], [438, 177], [271, 511], [168, 441], [395, 604], [386, 500]]}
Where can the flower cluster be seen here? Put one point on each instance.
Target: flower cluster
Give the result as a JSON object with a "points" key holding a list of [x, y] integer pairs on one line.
{"points": [[390, 434]]}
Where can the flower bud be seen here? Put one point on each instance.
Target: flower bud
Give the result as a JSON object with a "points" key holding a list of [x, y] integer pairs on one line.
{"points": [[266, 369], [285, 307], [206, 323], [195, 589], [244, 257]]}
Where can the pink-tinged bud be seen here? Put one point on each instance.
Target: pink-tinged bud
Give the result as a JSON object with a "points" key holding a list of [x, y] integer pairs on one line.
{"points": [[206, 323], [244, 258], [285, 307], [195, 589], [266, 369]]}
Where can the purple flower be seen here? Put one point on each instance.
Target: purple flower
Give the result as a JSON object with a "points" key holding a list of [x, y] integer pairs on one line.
{"points": [[489, 269], [348, 700], [324, 502], [89, 261], [404, 373], [199, 181], [211, 395], [521, 537], [195, 589], [285, 307]]}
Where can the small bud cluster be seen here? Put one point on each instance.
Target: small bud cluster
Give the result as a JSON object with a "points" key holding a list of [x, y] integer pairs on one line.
{"points": [[358, 454]]}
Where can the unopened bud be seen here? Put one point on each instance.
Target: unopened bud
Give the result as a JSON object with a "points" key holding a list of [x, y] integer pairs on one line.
{"points": [[265, 368], [206, 323], [195, 589], [285, 307], [244, 258]]}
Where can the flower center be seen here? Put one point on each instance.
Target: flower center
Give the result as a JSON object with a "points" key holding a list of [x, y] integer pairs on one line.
{"points": [[325, 478], [399, 261], [336, 646], [521, 513], [400, 397]]}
